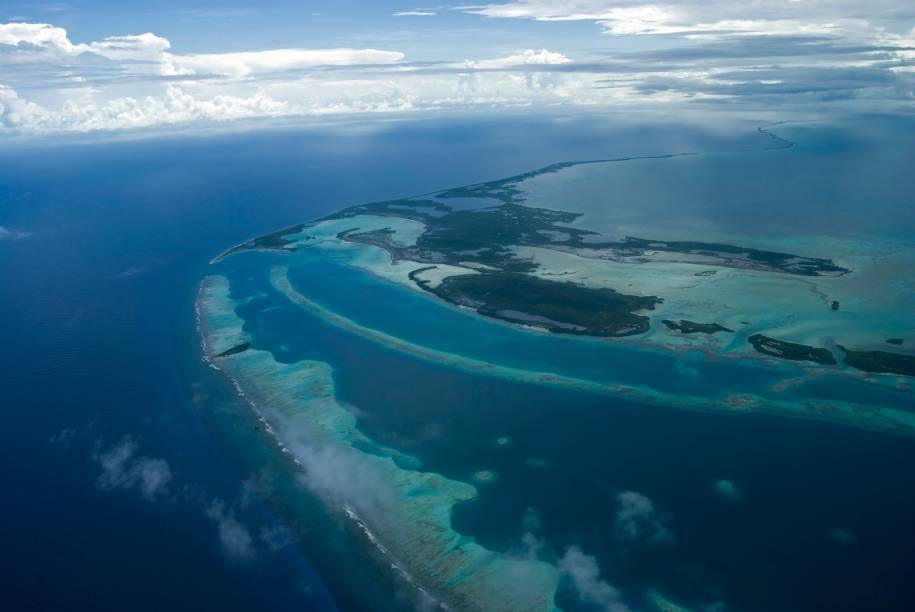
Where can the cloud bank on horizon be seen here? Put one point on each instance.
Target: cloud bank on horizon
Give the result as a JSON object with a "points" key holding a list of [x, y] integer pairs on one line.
{"points": [[622, 54]]}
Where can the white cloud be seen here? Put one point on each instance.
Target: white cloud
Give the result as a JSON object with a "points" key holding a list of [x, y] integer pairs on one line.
{"points": [[583, 571], [122, 468], [574, 10], [40, 35], [152, 48], [244, 64], [138, 81], [637, 520], [175, 106], [146, 46], [487, 81], [414, 14], [527, 57], [235, 538], [344, 475], [8, 234], [696, 18]]}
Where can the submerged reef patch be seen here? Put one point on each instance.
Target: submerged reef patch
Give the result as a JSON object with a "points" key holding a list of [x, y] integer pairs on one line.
{"points": [[489, 240], [407, 511], [878, 418], [468, 279], [484, 249]]}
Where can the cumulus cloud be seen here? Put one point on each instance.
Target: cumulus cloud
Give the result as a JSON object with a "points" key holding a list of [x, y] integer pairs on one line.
{"points": [[148, 47], [531, 546], [39, 36], [245, 64], [584, 574], [527, 57], [825, 37], [218, 87], [9, 234], [776, 54], [637, 520], [123, 468], [344, 475], [176, 106], [154, 49], [235, 538]]}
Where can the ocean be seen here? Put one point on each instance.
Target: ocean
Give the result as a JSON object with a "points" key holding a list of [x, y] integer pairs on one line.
{"points": [[97, 312]]}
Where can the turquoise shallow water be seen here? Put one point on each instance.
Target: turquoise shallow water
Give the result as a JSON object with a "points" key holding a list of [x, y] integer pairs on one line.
{"points": [[745, 511], [569, 454], [428, 322], [97, 316]]}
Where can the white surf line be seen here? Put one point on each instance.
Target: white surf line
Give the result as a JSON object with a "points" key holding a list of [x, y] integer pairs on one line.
{"points": [[348, 511]]}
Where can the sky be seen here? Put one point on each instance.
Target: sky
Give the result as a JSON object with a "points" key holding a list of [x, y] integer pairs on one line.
{"points": [[127, 65]]}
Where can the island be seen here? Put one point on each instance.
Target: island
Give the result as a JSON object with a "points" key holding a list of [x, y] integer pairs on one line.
{"points": [[556, 306], [691, 327], [539, 293], [482, 247], [791, 350], [485, 236], [880, 362]]}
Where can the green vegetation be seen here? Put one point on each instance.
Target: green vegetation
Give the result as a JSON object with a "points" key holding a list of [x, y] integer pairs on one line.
{"points": [[556, 306], [277, 241], [483, 236], [505, 189], [790, 350], [691, 327], [486, 235], [416, 209], [880, 362], [414, 276], [731, 256], [486, 238]]}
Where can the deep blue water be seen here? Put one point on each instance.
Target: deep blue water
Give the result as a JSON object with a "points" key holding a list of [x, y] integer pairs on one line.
{"points": [[772, 549], [96, 315]]}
